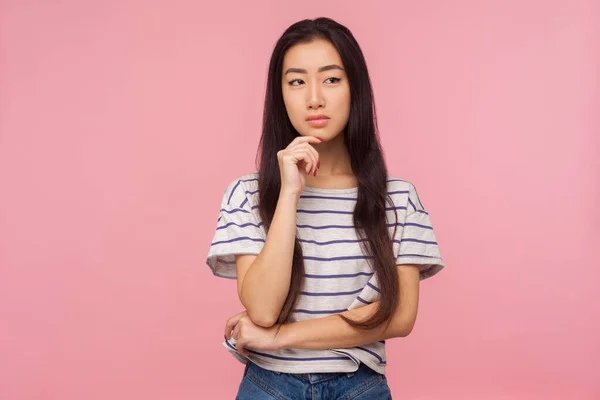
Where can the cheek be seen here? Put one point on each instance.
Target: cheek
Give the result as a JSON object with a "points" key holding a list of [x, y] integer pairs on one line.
{"points": [[294, 106], [341, 97]]}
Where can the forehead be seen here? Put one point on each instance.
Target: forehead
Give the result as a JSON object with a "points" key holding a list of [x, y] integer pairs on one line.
{"points": [[311, 55]]}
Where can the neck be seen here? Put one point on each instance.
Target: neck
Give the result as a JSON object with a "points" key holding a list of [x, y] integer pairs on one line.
{"points": [[336, 169], [334, 157]]}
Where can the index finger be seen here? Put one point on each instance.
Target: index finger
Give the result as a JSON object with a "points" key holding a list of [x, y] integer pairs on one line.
{"points": [[313, 139], [231, 323]]}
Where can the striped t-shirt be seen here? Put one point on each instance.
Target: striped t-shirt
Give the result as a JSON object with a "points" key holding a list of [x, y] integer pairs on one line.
{"points": [[337, 274]]}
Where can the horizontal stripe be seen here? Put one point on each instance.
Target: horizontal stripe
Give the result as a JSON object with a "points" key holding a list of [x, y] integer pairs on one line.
{"points": [[338, 276], [417, 255], [418, 225], [396, 208], [327, 260], [324, 212], [352, 226], [331, 241], [240, 225], [236, 210], [395, 224], [331, 293], [303, 311], [259, 240], [372, 353], [349, 355], [348, 241], [327, 197], [326, 226], [363, 300], [287, 358], [399, 192], [416, 241], [302, 211], [342, 258]]}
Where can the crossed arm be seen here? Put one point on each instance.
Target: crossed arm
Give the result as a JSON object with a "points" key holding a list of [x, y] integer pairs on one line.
{"points": [[263, 289], [331, 331]]}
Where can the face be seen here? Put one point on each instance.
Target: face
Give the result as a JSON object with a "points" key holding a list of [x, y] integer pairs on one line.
{"points": [[314, 84]]}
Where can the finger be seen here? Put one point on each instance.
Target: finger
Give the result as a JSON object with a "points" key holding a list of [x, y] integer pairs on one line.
{"points": [[303, 166], [227, 328], [313, 153], [297, 156], [241, 347], [315, 156], [303, 154], [231, 322], [236, 332], [304, 139]]}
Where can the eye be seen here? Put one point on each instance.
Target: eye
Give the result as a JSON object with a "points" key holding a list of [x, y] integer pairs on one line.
{"points": [[335, 80], [292, 82]]}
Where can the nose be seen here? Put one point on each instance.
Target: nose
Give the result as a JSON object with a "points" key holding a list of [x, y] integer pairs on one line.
{"points": [[315, 96]]}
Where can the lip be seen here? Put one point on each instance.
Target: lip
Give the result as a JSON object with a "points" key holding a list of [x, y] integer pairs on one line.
{"points": [[317, 117], [317, 121]]}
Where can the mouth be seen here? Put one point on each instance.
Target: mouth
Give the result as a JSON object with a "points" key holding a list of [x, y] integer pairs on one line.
{"points": [[317, 121]]}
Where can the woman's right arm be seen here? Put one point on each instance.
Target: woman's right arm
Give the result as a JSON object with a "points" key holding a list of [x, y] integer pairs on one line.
{"points": [[264, 279]]}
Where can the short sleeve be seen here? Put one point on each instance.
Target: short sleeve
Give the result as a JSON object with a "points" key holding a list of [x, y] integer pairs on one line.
{"points": [[238, 229], [415, 241]]}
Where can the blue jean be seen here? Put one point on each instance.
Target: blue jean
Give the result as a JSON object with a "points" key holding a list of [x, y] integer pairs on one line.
{"points": [[261, 384]]}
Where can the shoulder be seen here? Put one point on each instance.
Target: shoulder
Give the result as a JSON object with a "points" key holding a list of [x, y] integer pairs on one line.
{"points": [[241, 189], [249, 180], [397, 185], [403, 191]]}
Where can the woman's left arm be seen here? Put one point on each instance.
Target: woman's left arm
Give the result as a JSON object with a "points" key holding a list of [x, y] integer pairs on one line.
{"points": [[332, 331]]}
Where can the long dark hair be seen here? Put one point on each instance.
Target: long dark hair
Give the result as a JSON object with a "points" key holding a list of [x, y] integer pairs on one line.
{"points": [[366, 157]]}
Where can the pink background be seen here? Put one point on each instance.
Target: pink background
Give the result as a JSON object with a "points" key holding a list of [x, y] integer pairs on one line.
{"points": [[121, 124]]}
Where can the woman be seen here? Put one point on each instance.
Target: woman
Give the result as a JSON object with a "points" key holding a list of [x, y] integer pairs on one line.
{"points": [[327, 248]]}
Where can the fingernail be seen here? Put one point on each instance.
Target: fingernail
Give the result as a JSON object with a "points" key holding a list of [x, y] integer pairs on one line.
{"points": [[320, 139], [225, 336], [319, 164]]}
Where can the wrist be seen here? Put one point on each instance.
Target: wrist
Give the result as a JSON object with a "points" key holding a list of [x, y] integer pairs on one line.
{"points": [[285, 338], [290, 194]]}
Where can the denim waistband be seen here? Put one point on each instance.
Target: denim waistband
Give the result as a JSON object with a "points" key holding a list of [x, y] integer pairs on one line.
{"points": [[363, 370]]}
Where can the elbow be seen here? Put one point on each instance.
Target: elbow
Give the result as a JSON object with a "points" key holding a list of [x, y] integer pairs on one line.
{"points": [[261, 317], [264, 320], [404, 332], [403, 329]]}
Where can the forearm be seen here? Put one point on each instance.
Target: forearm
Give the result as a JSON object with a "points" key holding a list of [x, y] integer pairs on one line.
{"points": [[267, 282], [333, 332]]}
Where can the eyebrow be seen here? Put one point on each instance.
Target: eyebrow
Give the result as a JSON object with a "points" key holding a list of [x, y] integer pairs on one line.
{"points": [[325, 68]]}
